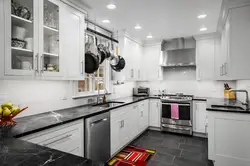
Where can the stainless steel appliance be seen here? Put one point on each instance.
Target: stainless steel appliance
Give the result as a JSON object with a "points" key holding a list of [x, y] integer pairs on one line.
{"points": [[184, 123], [141, 91], [97, 137]]}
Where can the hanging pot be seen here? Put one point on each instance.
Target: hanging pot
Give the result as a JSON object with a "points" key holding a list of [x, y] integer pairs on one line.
{"points": [[91, 62], [120, 65], [102, 53]]}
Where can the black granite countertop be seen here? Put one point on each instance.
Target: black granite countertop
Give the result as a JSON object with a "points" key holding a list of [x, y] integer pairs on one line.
{"points": [[14, 151], [196, 98], [231, 106]]}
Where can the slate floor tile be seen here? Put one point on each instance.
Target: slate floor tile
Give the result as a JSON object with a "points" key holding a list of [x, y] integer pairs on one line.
{"points": [[164, 158], [191, 148], [157, 163], [170, 144], [166, 150], [181, 161], [191, 155]]}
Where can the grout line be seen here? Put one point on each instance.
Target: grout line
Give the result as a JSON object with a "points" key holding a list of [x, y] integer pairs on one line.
{"points": [[181, 152]]}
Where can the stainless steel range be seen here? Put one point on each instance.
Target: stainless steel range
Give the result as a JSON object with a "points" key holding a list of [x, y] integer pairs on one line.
{"points": [[183, 122]]}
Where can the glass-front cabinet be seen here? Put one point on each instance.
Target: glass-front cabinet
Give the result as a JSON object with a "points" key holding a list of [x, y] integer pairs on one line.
{"points": [[32, 45], [50, 58]]}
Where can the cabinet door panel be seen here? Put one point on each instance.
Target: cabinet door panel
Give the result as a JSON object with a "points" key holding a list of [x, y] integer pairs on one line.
{"points": [[21, 38], [116, 129], [205, 58], [201, 116], [154, 118], [72, 32]]}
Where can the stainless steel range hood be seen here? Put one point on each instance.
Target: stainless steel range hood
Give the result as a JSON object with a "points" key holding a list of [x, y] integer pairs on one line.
{"points": [[179, 52]]}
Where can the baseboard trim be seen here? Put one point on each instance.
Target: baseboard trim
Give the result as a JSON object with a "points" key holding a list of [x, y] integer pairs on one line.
{"points": [[202, 135], [154, 128]]}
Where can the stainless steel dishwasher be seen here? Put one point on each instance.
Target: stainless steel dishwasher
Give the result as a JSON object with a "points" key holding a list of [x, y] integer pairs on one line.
{"points": [[97, 137]]}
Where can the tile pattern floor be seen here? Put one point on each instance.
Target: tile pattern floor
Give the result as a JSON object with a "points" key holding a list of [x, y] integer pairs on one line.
{"points": [[174, 150]]}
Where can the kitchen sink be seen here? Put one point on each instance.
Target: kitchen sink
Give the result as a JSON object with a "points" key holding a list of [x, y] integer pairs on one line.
{"points": [[109, 104], [227, 107]]}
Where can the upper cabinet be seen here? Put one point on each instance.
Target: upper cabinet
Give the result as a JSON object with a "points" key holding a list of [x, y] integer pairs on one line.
{"points": [[206, 50], [151, 62], [43, 40], [234, 59]]}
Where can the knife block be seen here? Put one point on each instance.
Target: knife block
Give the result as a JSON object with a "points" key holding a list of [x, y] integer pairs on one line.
{"points": [[229, 95]]}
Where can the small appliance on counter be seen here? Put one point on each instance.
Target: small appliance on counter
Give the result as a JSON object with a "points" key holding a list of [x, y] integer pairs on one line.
{"points": [[141, 92]]}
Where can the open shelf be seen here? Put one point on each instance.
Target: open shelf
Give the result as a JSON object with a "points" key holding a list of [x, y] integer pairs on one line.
{"points": [[20, 19], [50, 54]]}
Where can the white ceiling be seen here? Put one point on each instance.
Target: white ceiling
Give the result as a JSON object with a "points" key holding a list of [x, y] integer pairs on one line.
{"points": [[164, 19]]}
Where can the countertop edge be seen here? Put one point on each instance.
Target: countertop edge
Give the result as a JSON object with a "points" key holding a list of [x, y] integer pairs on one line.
{"points": [[78, 118]]}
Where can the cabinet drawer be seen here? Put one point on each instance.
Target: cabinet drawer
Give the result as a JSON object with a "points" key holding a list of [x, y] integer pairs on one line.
{"points": [[117, 113], [66, 138]]}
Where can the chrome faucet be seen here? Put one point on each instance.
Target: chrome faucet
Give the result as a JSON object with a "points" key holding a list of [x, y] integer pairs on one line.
{"points": [[247, 97], [98, 96]]}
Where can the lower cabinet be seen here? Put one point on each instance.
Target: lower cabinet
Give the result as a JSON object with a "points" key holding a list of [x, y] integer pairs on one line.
{"points": [[127, 123], [228, 138], [155, 113], [67, 138], [200, 116]]}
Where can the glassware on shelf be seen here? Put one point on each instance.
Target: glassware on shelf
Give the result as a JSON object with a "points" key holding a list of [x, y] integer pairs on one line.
{"points": [[50, 17]]}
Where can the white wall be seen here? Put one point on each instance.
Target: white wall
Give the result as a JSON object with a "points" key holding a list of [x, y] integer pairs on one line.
{"points": [[183, 80], [44, 96], [243, 84]]}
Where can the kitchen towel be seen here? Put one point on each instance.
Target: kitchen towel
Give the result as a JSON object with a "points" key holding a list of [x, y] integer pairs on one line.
{"points": [[175, 111]]}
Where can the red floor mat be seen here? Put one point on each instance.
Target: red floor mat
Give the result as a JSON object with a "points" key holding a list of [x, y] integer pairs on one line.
{"points": [[132, 156]]}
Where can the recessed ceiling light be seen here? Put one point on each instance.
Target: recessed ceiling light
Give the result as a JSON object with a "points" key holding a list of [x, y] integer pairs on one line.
{"points": [[137, 27], [202, 16], [203, 29], [111, 6], [149, 36], [105, 21]]}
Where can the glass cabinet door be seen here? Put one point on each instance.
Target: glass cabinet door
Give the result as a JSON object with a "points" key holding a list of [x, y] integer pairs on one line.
{"points": [[19, 36], [51, 55]]}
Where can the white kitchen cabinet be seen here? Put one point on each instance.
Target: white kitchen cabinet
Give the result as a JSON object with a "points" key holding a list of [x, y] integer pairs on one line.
{"points": [[151, 62], [127, 123], [143, 115], [200, 117], [52, 34], [68, 138], [155, 113], [73, 35], [120, 128], [205, 57], [233, 63], [228, 139]]}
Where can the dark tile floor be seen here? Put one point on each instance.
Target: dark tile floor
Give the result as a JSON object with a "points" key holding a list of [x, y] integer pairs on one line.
{"points": [[174, 150]]}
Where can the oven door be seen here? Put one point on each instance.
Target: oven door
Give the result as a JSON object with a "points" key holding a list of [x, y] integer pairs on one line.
{"points": [[184, 114]]}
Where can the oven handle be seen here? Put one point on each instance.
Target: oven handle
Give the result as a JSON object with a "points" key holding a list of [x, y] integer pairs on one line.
{"points": [[177, 103]]}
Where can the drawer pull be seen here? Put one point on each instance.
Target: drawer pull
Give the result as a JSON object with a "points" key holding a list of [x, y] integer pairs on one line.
{"points": [[67, 136]]}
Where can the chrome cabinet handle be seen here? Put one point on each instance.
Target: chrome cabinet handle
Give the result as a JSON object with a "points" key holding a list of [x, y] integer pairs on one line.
{"points": [[132, 73], [206, 129], [37, 63], [225, 68], [82, 67], [139, 74], [221, 71], [121, 124], [67, 136], [42, 64], [99, 121], [141, 113]]}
